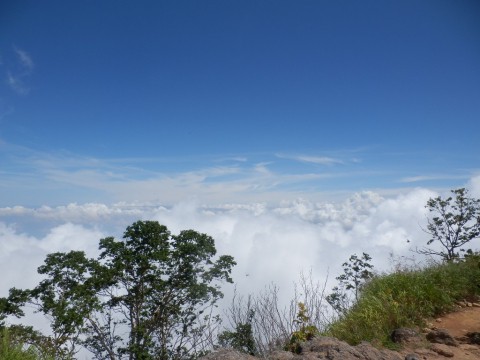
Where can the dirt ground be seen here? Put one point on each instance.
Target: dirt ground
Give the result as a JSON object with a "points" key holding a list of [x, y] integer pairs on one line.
{"points": [[458, 324]]}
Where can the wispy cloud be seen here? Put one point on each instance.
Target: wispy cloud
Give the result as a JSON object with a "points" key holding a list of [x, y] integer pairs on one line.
{"points": [[25, 59], [32, 177], [320, 160], [421, 178], [17, 84], [17, 74], [94, 179]]}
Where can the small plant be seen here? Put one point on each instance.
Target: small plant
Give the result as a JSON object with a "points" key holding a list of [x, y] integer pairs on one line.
{"points": [[242, 338], [305, 332]]}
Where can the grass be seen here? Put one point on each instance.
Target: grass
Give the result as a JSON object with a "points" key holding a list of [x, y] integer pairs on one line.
{"points": [[14, 349], [406, 298]]}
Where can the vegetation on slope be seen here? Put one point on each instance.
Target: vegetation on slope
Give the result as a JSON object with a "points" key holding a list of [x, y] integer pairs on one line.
{"points": [[406, 298]]}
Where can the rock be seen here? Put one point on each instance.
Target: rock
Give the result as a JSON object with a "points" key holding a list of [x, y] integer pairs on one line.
{"points": [[282, 355], [405, 335], [412, 357], [473, 337], [334, 349], [318, 348], [442, 350], [441, 336], [371, 353], [227, 354]]}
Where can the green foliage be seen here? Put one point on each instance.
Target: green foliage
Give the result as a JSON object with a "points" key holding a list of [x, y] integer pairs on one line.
{"points": [[306, 331], [12, 306], [242, 338], [356, 272], [13, 346], [455, 222], [405, 298], [152, 286]]}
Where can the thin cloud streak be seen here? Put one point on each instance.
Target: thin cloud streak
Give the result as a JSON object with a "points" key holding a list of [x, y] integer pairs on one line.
{"points": [[128, 181], [421, 178], [17, 84], [40, 177], [16, 80], [25, 59], [319, 160]]}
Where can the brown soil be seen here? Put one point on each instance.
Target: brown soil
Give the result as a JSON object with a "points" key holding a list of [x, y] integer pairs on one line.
{"points": [[458, 324]]}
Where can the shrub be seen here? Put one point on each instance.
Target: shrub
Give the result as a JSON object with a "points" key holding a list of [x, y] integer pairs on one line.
{"points": [[305, 332]]}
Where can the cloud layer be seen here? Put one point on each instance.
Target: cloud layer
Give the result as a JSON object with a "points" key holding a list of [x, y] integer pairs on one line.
{"points": [[270, 243]]}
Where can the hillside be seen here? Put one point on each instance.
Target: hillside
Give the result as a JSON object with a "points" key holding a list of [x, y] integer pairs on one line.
{"points": [[459, 324]]}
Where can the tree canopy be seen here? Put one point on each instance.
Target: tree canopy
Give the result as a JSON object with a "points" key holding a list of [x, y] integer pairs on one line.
{"points": [[145, 296], [454, 222]]}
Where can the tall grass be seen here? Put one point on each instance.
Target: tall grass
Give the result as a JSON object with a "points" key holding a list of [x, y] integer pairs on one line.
{"points": [[406, 298], [12, 348]]}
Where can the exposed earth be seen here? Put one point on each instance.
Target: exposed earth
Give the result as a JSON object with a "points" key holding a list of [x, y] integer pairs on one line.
{"points": [[464, 321]]}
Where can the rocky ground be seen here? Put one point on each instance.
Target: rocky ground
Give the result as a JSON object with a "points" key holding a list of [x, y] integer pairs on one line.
{"points": [[455, 335], [463, 326]]}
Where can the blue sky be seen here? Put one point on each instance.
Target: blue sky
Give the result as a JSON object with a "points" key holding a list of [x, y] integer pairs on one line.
{"points": [[344, 95]]}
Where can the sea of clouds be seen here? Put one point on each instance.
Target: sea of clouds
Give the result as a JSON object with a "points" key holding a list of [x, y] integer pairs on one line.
{"points": [[272, 244]]}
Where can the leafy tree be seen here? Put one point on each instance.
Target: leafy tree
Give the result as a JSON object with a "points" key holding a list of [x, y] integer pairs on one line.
{"points": [[454, 223], [356, 271], [68, 296], [153, 286]]}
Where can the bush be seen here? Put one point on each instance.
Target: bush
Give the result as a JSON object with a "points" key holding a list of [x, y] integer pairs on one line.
{"points": [[306, 330]]}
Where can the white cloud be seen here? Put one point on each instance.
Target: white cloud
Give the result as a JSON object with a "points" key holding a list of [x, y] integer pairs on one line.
{"points": [[21, 254], [271, 243], [474, 186]]}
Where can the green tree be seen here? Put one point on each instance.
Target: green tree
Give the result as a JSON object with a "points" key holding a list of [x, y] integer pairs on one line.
{"points": [[356, 271], [152, 285], [454, 222]]}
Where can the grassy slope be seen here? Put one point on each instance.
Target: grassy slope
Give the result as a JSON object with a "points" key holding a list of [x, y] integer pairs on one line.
{"points": [[405, 298]]}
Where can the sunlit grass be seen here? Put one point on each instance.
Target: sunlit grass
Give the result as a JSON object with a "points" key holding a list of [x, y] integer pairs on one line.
{"points": [[15, 349], [406, 298]]}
